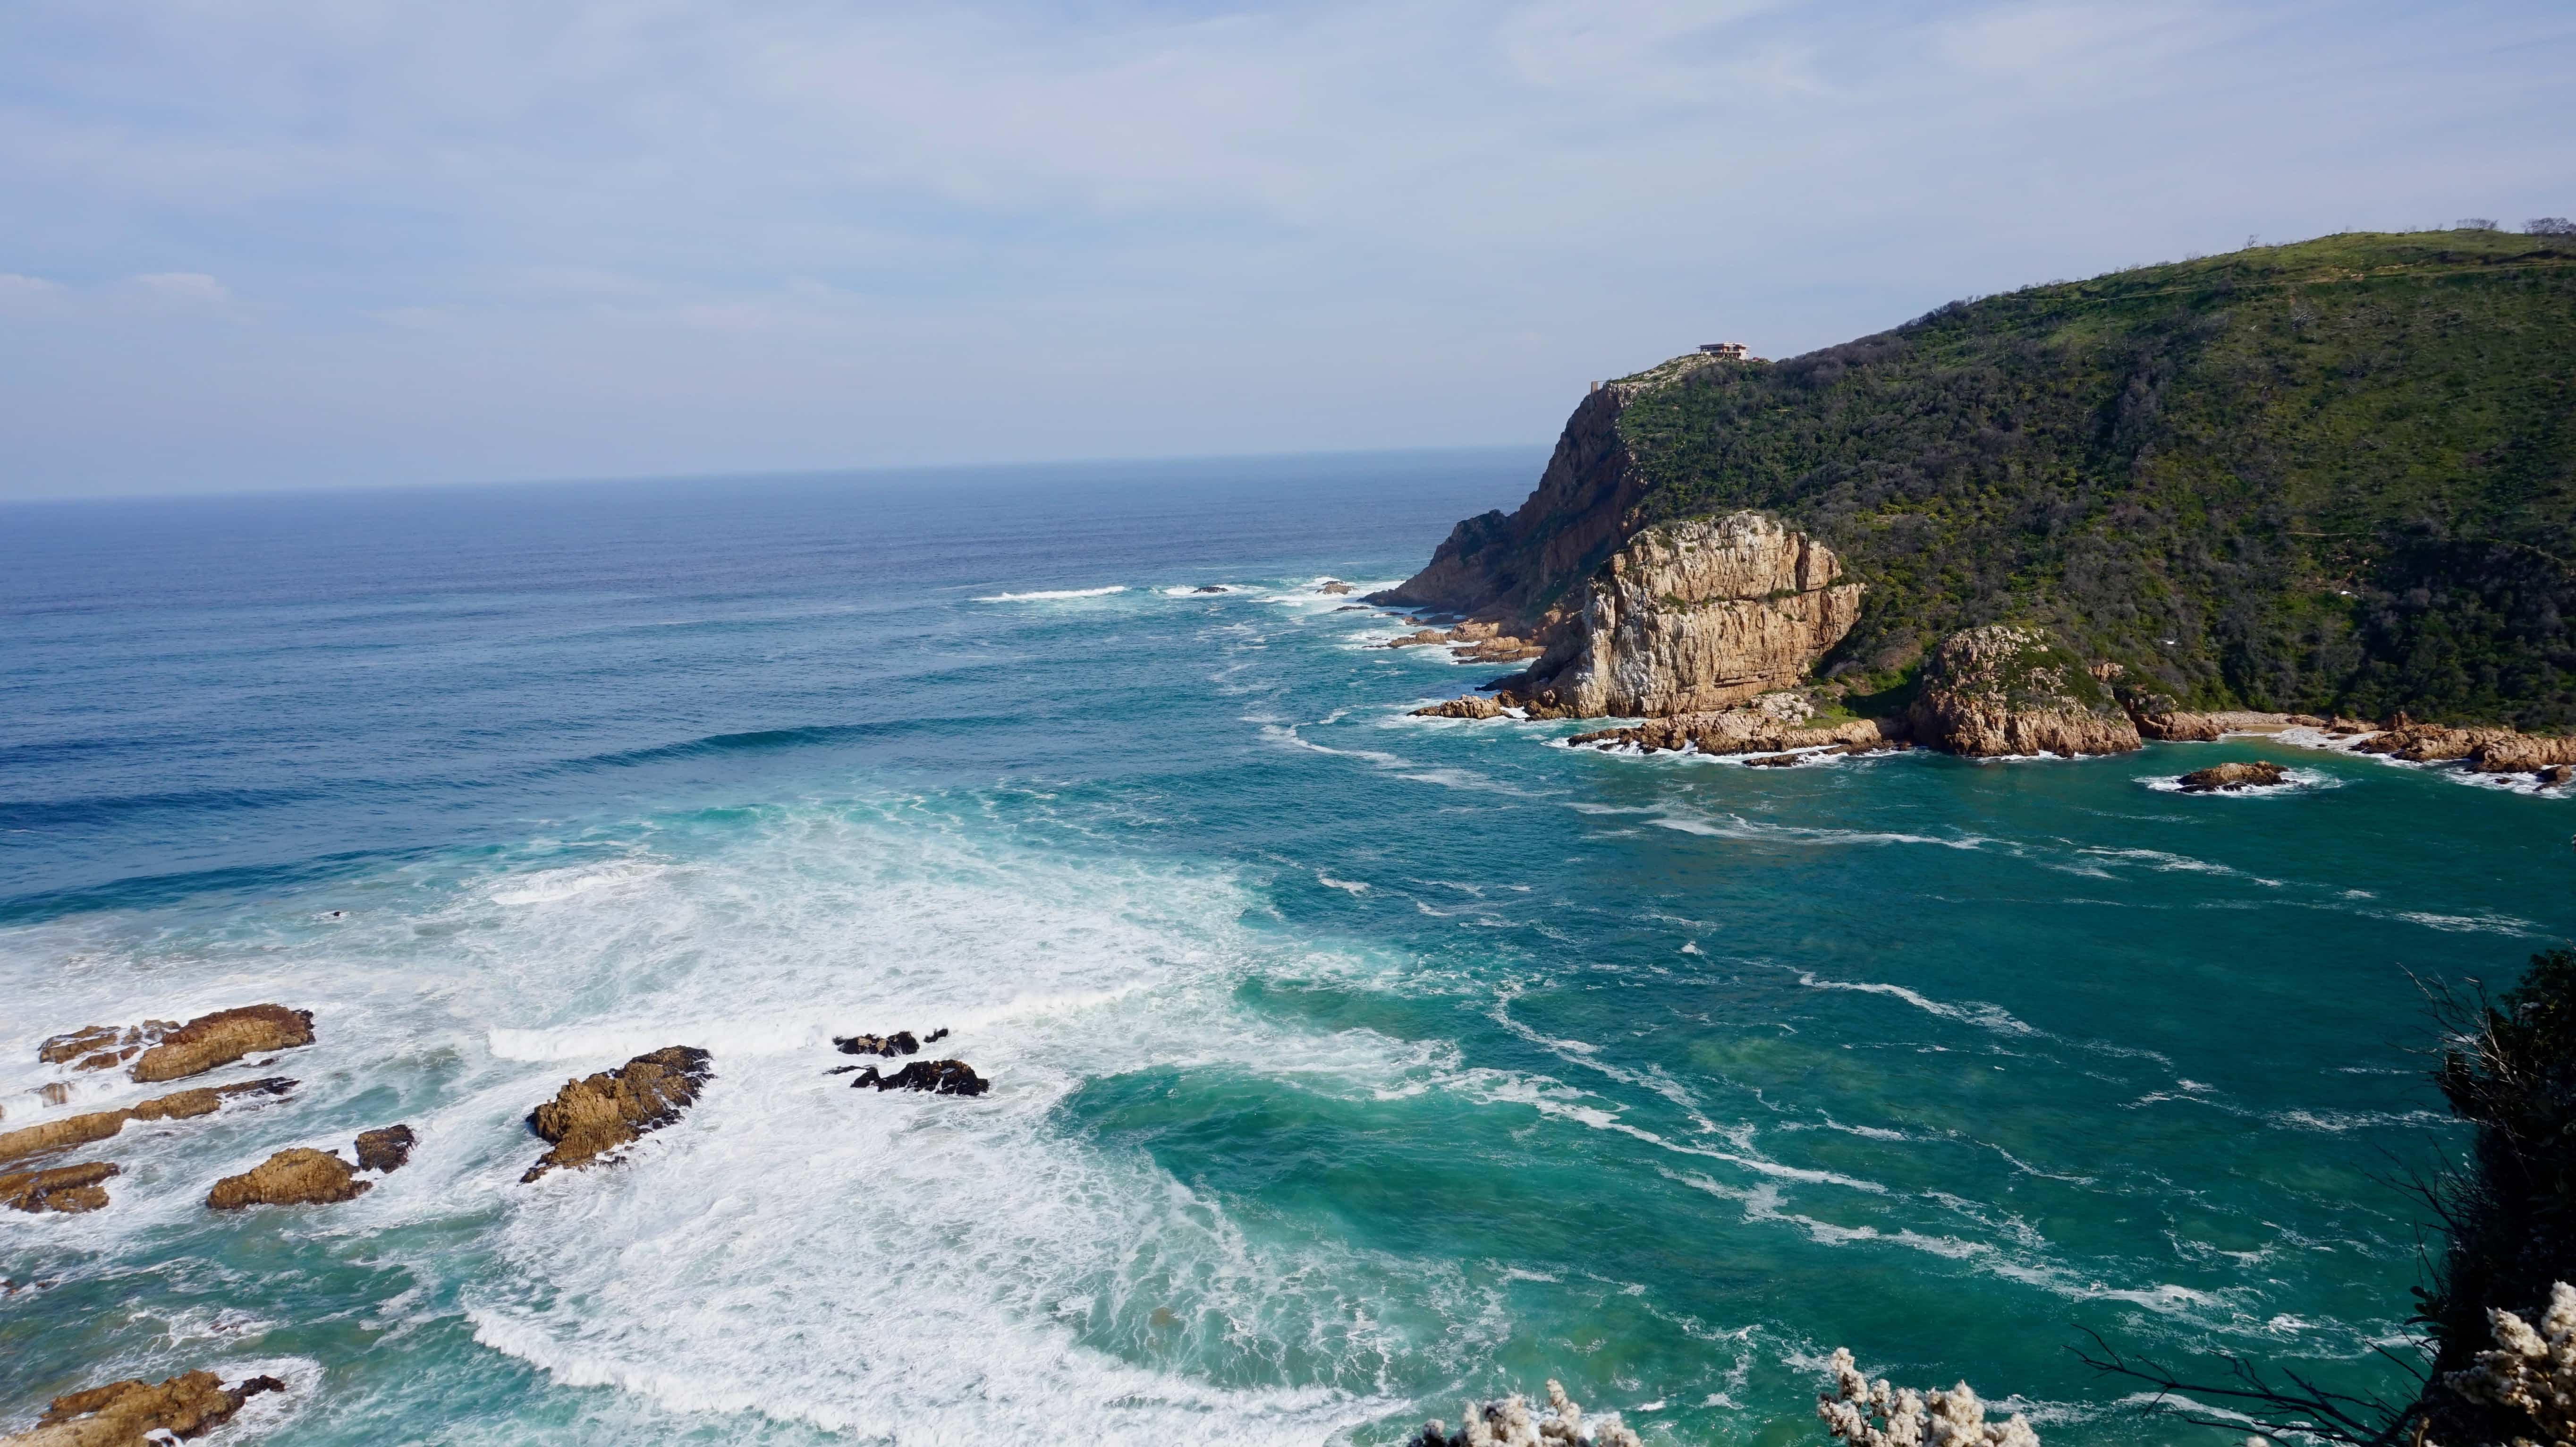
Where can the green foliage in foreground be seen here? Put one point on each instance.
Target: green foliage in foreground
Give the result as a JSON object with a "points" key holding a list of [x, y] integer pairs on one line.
{"points": [[2338, 476]]}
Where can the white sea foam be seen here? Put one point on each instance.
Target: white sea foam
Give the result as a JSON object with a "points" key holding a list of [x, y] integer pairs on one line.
{"points": [[1051, 594]]}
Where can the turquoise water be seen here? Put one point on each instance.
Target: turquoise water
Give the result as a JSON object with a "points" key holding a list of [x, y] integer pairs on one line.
{"points": [[1344, 1063]]}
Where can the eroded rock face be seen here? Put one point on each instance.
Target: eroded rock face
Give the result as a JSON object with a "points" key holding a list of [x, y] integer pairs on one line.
{"points": [[297, 1177], [602, 1112], [939, 1077], [1703, 613], [68, 1189], [1472, 706], [385, 1150], [98, 1125], [121, 1414], [2006, 690], [2258, 774], [2523, 753], [222, 1038]]}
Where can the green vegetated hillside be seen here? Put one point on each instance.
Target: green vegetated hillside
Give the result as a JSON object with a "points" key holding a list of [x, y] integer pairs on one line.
{"points": [[2337, 476]]}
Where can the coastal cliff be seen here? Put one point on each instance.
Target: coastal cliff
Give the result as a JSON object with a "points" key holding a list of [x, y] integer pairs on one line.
{"points": [[2333, 478]]}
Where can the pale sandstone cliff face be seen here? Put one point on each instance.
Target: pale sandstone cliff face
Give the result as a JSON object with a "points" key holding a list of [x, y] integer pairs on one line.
{"points": [[2003, 690], [1704, 613]]}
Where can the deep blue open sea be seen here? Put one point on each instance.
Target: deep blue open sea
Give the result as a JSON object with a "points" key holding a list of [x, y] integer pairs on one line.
{"points": [[1344, 1063]]}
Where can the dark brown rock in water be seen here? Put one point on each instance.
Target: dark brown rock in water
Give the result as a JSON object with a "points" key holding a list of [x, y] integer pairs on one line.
{"points": [[2557, 774], [599, 1113], [386, 1149], [1209, 588], [297, 1177], [222, 1038], [64, 1188], [1468, 707], [1773, 761], [125, 1414], [939, 1077], [2218, 777], [898, 1043], [73, 1044], [935, 1036]]}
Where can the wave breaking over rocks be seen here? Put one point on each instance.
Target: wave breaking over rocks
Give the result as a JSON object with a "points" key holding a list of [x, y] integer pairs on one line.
{"points": [[597, 1114], [129, 1413]]}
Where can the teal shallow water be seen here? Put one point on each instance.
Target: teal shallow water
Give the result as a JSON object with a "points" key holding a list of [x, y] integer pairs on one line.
{"points": [[1345, 1063]]}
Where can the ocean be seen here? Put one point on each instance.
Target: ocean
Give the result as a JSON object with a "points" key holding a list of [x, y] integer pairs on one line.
{"points": [[1344, 1064]]}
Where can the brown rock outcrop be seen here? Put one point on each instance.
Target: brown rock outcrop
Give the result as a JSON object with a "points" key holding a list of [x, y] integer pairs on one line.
{"points": [[385, 1150], [939, 1077], [2522, 754], [1334, 588], [124, 1414], [1745, 731], [1702, 613], [2431, 743], [1472, 706], [2229, 777], [2203, 728], [2008, 690], [222, 1038], [2557, 774], [64, 1188], [297, 1177], [96, 1047], [601, 1112], [77, 1130]]}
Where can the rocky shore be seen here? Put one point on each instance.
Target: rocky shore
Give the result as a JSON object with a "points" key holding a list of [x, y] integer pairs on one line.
{"points": [[593, 1116], [132, 1413]]}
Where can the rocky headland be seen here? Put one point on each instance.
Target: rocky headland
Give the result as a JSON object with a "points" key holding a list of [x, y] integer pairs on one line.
{"points": [[2051, 564]]}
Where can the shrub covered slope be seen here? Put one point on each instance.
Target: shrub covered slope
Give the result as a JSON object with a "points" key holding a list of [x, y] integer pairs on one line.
{"points": [[2337, 476]]}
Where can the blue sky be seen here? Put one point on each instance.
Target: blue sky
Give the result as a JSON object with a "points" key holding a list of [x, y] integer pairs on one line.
{"points": [[289, 243]]}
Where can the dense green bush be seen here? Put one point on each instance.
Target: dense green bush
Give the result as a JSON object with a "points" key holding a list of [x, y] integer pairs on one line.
{"points": [[2335, 476]]}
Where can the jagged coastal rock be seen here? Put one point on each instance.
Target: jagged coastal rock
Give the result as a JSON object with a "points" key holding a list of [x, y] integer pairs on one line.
{"points": [[78, 1130], [900, 1042], [2004, 690], [1746, 731], [67, 1189], [384, 1151], [222, 1038], [939, 1077], [599, 1113], [297, 1177], [126, 1414], [2223, 778]]}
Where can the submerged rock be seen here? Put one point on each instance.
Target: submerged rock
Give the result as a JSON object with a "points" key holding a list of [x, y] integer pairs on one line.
{"points": [[1334, 587], [939, 1077], [67, 1189], [900, 1042], [2259, 774], [222, 1038], [599, 1113], [98, 1125], [2006, 690], [297, 1177], [125, 1414], [385, 1150]]}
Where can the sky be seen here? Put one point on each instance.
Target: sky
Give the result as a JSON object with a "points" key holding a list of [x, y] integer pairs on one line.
{"points": [[264, 244]]}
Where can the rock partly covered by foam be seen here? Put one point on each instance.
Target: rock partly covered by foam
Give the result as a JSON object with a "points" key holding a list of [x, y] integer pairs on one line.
{"points": [[900, 1042], [1703, 613], [599, 1113], [1472, 706], [96, 1047], [222, 1038], [126, 1414], [1509, 1422], [939, 1077], [385, 1150], [2219, 778], [67, 1189], [2005, 690], [98, 1125], [297, 1177]]}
